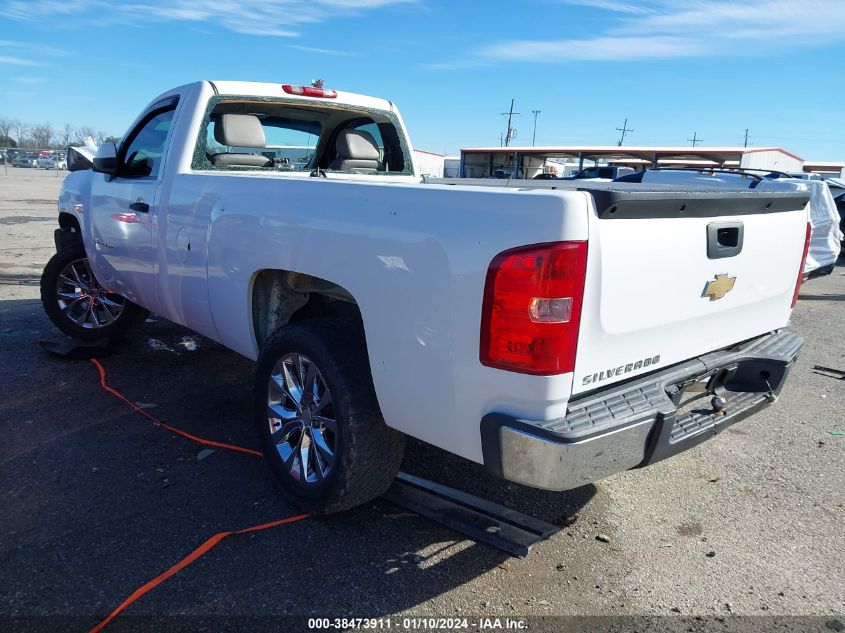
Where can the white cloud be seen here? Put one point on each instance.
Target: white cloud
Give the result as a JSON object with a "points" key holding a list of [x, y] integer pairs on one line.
{"points": [[611, 5], [278, 18], [323, 51], [12, 60], [666, 29], [31, 10], [29, 80], [758, 20], [597, 49], [31, 48]]}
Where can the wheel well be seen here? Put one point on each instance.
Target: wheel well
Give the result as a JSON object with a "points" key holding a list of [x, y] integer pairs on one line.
{"points": [[69, 233], [68, 221], [280, 297]]}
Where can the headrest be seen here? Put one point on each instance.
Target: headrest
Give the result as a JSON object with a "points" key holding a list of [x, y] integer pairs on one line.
{"points": [[356, 144], [238, 130]]}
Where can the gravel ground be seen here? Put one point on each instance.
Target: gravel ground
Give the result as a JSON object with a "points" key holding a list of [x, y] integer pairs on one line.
{"points": [[96, 500]]}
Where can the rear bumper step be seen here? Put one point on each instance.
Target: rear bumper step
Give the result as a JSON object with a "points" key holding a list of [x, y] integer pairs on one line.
{"points": [[639, 422]]}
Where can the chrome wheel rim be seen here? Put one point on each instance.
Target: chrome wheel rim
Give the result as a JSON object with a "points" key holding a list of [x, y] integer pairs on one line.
{"points": [[83, 300], [301, 418]]}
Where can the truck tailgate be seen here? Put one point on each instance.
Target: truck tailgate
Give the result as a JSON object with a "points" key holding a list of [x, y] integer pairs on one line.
{"points": [[673, 275]]}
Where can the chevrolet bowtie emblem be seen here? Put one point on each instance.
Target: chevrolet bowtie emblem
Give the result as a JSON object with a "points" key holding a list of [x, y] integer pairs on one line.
{"points": [[719, 287]]}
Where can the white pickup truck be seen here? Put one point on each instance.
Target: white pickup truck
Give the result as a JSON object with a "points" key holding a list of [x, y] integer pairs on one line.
{"points": [[555, 332]]}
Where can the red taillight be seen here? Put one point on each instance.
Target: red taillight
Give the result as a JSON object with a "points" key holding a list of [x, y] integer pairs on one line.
{"points": [[532, 308], [803, 262], [307, 91]]}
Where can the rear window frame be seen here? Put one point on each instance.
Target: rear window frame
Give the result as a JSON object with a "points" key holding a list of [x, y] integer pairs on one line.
{"points": [[200, 162]]}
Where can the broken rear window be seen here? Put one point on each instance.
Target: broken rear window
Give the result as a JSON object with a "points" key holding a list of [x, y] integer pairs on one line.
{"points": [[278, 135]]}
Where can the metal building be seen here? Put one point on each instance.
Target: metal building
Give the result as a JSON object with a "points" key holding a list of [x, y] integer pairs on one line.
{"points": [[527, 162]]}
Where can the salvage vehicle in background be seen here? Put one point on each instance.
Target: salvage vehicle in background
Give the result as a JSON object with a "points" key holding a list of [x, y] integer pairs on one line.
{"points": [[53, 161], [556, 332], [601, 172], [25, 160], [825, 218], [837, 190]]}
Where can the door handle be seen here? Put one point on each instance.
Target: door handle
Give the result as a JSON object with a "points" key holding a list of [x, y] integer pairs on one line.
{"points": [[140, 207], [724, 239]]}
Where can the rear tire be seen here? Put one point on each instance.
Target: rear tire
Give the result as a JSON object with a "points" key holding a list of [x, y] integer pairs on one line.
{"points": [[77, 304], [318, 417]]}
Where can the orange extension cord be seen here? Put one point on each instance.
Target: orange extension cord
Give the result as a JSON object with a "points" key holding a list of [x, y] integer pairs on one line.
{"points": [[211, 542], [172, 429]]}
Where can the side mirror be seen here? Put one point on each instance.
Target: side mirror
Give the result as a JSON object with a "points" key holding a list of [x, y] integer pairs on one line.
{"points": [[105, 161]]}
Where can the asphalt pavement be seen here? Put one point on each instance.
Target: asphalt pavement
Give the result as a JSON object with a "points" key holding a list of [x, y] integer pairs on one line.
{"points": [[96, 500]]}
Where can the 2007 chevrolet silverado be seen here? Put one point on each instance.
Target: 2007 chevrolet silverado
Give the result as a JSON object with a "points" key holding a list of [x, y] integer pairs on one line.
{"points": [[555, 332]]}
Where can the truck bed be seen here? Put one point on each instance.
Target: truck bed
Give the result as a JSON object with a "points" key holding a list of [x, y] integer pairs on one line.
{"points": [[651, 265]]}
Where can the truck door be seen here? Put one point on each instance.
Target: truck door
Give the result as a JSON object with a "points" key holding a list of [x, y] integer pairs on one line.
{"points": [[124, 209]]}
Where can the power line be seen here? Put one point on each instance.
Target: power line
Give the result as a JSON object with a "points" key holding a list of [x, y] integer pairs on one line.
{"points": [[623, 129], [695, 139], [534, 137], [511, 133]]}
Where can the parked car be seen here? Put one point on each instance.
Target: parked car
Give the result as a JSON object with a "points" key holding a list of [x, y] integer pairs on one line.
{"points": [[502, 174], [555, 332], [25, 160], [606, 172], [827, 232], [52, 162]]}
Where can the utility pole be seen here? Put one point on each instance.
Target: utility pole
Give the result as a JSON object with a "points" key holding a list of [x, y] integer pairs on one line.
{"points": [[746, 138], [511, 133], [623, 129], [534, 137], [695, 139]]}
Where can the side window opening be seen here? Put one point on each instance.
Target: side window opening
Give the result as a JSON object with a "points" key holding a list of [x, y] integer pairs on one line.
{"points": [[141, 155]]}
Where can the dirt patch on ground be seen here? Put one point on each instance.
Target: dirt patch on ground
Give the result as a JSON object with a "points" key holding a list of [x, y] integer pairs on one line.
{"points": [[25, 219]]}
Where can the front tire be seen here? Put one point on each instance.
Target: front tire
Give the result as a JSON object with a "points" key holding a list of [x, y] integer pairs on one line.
{"points": [[76, 302], [318, 417]]}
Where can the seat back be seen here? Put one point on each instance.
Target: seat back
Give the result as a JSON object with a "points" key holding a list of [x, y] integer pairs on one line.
{"points": [[356, 150], [239, 130]]}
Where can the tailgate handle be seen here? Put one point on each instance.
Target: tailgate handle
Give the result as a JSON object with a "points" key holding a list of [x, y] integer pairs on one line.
{"points": [[724, 239]]}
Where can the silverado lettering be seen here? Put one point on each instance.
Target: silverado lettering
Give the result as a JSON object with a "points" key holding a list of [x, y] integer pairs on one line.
{"points": [[618, 371]]}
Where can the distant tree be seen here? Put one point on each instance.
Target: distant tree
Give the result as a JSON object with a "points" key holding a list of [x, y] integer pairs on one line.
{"points": [[41, 135], [83, 133], [15, 133], [111, 139], [20, 129], [6, 126], [65, 134]]}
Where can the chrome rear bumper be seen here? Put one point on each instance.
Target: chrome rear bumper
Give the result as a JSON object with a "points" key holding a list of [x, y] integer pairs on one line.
{"points": [[638, 423]]}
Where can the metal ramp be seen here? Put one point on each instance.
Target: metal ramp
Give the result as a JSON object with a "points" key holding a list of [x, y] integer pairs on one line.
{"points": [[480, 520]]}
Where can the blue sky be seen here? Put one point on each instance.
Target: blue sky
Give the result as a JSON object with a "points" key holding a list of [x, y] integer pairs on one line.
{"points": [[673, 67]]}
